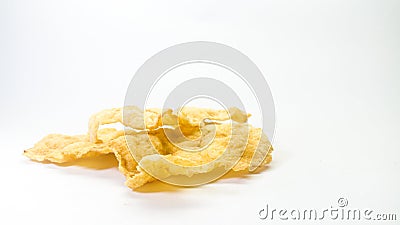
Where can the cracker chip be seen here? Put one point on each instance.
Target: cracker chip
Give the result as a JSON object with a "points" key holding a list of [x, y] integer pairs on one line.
{"points": [[126, 163], [229, 143], [60, 148], [160, 142], [193, 116], [138, 180], [131, 116]]}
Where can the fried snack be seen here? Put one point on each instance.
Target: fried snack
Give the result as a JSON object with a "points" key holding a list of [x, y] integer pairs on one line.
{"points": [[236, 145], [130, 116], [229, 143], [193, 116], [139, 179], [128, 166], [59, 148]]}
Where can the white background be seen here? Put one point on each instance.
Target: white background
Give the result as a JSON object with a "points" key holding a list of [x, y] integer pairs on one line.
{"points": [[333, 68]]}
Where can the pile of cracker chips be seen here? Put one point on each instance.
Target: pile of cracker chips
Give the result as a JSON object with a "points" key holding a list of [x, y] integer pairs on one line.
{"points": [[199, 138]]}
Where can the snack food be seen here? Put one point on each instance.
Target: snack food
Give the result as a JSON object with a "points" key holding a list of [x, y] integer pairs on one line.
{"points": [[160, 143]]}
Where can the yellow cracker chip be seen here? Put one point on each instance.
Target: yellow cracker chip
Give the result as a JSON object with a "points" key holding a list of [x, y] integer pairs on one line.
{"points": [[60, 148], [63, 148], [232, 142], [131, 116], [219, 144], [126, 163], [193, 116], [138, 180]]}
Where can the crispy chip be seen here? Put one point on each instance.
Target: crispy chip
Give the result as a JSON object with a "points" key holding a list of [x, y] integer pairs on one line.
{"points": [[232, 141], [60, 148], [162, 138], [133, 117], [127, 164], [139, 180], [193, 116]]}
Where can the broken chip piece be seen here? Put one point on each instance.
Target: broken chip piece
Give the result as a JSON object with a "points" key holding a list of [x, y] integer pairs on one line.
{"points": [[163, 144]]}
